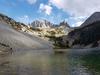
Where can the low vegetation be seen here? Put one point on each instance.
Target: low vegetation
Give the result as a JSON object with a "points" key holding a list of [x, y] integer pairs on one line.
{"points": [[57, 42]]}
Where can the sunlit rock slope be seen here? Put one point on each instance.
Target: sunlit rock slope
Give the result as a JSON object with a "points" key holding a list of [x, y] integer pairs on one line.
{"points": [[20, 40]]}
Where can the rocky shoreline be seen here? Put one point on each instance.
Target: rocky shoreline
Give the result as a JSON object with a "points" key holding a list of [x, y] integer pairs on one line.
{"points": [[5, 50]]}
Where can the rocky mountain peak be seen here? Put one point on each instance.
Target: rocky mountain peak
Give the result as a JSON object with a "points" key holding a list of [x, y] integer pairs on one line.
{"points": [[64, 24], [41, 24]]}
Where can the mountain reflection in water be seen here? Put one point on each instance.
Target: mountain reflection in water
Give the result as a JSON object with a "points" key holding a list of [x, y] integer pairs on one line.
{"points": [[42, 62]]}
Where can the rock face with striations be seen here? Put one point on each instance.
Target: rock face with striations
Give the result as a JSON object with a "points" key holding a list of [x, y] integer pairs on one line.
{"points": [[41, 24], [87, 35]]}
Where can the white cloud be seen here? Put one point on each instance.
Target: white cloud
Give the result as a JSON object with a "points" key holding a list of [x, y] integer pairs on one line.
{"points": [[77, 24], [24, 19], [47, 9], [76, 21], [77, 7], [31, 1]]}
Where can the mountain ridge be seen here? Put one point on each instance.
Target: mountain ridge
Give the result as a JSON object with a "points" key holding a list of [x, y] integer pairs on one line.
{"points": [[85, 36], [93, 18]]}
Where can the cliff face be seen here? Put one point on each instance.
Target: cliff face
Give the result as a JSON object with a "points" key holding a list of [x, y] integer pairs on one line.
{"points": [[87, 35], [41, 24]]}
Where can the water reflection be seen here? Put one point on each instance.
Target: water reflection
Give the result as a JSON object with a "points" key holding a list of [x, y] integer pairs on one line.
{"points": [[31, 62], [92, 62]]}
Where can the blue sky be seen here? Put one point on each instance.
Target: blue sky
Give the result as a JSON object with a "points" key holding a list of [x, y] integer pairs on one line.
{"points": [[55, 11]]}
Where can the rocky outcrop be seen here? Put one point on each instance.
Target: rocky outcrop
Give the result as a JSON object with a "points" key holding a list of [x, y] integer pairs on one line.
{"points": [[87, 35], [44, 24], [64, 24], [46, 29], [65, 27], [41, 24], [12, 22], [5, 50], [20, 40]]}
